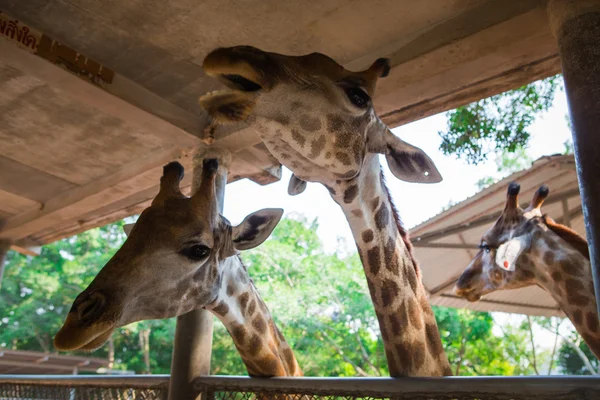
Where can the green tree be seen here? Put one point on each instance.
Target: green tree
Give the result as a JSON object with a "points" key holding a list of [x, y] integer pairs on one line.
{"points": [[506, 164], [496, 124]]}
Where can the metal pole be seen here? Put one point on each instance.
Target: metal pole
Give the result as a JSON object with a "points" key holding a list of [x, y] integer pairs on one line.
{"points": [[4, 247], [576, 25], [192, 346]]}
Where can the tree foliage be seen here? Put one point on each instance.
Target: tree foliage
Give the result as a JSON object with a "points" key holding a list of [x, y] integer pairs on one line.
{"points": [[319, 300], [496, 124]]}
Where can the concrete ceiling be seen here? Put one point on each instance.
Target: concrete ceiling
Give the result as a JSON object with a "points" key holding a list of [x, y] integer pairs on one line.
{"points": [[108, 92]]}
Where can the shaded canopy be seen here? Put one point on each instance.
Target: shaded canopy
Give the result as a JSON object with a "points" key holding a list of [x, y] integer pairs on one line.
{"points": [[96, 96]]}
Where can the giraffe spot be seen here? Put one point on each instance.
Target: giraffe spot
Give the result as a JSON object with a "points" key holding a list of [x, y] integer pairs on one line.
{"points": [[447, 371], [574, 296], [403, 352], [309, 123], [434, 343], [269, 366], [367, 236], [390, 257], [259, 324], [526, 274], [316, 147], [244, 301], [549, 258], [285, 156], [418, 354], [374, 260], [577, 317], [357, 213], [335, 123], [389, 291], [410, 278], [382, 217], [543, 279], [571, 266], [394, 324], [328, 155], [230, 289], [573, 285], [239, 334], [298, 138], [254, 346], [591, 319], [414, 313], [350, 194], [251, 307], [281, 118], [288, 356], [551, 244], [556, 276], [221, 309], [374, 203], [344, 158]]}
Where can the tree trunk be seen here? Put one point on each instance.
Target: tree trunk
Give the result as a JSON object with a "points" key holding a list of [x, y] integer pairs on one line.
{"points": [[111, 353], [144, 335]]}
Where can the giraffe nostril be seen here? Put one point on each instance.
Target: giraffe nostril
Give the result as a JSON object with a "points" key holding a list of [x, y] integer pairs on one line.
{"points": [[91, 306]]}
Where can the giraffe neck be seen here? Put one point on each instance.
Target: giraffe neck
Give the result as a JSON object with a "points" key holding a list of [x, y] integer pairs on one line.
{"points": [[567, 275], [240, 308], [408, 327]]}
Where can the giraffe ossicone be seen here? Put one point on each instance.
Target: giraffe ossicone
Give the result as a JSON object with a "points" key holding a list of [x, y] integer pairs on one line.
{"points": [[181, 255], [317, 119], [551, 255]]}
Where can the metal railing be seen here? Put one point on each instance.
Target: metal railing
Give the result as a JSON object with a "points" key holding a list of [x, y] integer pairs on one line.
{"points": [[154, 387], [455, 388], [75, 387]]}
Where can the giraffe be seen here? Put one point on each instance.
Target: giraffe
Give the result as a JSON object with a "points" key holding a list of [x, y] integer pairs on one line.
{"points": [[318, 120], [182, 255], [543, 253]]}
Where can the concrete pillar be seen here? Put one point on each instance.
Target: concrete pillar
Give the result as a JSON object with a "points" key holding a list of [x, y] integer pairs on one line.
{"points": [[4, 247], [192, 346], [576, 25]]}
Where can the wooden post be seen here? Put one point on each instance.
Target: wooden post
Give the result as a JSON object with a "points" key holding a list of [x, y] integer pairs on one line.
{"points": [[4, 247], [576, 25], [192, 346]]}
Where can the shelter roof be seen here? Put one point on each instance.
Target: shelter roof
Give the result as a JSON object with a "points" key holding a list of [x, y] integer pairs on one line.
{"points": [[446, 243]]}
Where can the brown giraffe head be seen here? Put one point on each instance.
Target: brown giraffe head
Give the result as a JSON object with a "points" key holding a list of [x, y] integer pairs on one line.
{"points": [[171, 263], [504, 260], [314, 116]]}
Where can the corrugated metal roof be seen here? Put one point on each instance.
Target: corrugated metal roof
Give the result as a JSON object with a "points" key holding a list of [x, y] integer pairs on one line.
{"points": [[446, 243]]}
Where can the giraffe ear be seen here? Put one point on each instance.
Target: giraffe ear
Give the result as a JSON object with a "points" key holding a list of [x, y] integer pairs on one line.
{"points": [[409, 163], [296, 186], [127, 228], [255, 228]]}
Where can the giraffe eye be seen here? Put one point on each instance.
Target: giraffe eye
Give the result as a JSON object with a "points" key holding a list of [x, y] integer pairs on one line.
{"points": [[196, 252], [485, 247], [358, 97]]}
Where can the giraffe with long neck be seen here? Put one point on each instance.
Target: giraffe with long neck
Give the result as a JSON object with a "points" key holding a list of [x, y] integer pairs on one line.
{"points": [[546, 254], [182, 255], [318, 120]]}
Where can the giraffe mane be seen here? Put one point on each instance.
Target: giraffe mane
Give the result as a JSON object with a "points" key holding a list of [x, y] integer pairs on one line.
{"points": [[568, 235], [400, 226]]}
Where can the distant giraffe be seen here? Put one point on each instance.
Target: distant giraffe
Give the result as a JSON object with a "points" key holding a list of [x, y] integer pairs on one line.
{"points": [[543, 253], [318, 120], [182, 255]]}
